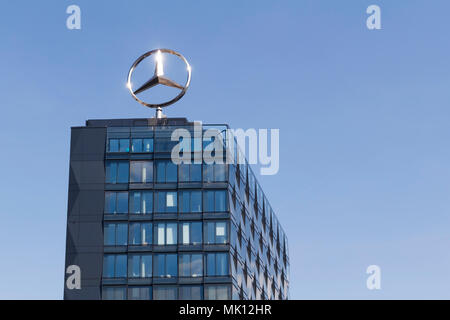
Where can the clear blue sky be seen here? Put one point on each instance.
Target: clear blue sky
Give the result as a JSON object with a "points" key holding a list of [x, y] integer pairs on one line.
{"points": [[363, 117]]}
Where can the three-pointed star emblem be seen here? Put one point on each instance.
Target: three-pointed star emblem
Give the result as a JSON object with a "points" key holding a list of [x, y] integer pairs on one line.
{"points": [[158, 77]]}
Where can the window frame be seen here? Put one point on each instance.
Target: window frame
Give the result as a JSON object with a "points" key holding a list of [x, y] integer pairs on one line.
{"points": [[206, 239], [191, 232], [116, 225], [141, 267], [166, 267], [116, 202], [166, 164], [182, 263], [157, 202], [141, 193], [109, 179], [140, 169], [141, 228], [156, 233]]}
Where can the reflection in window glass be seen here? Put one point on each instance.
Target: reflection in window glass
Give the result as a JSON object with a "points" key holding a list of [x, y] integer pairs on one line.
{"points": [[215, 201], [166, 172], [116, 202], [166, 202], [191, 233], [190, 172], [217, 292], [164, 293], [115, 266], [115, 234], [140, 293], [216, 232], [141, 171], [124, 145], [165, 234], [190, 293], [191, 265], [165, 265], [214, 172], [113, 145], [140, 266], [140, 145], [116, 172], [191, 201], [114, 293], [140, 233], [141, 202], [217, 264]]}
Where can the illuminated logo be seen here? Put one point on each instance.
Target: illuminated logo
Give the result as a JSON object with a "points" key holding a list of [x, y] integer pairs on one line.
{"points": [[158, 78]]}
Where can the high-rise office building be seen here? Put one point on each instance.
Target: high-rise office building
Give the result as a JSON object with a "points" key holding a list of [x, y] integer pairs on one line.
{"points": [[140, 226]]}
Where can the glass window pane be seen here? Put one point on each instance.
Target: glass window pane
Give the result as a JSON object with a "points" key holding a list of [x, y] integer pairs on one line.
{"points": [[121, 266], [146, 233], [147, 202], [164, 293], [110, 202], [147, 172], [124, 145], [135, 203], [184, 261], [108, 266], [221, 232], [109, 234], [146, 266], [139, 293], [113, 145], [220, 201], [185, 202], [208, 173], [121, 234], [148, 145], [185, 233], [197, 265], [135, 172], [123, 171], [133, 266], [172, 265], [219, 172], [135, 234], [111, 172], [161, 171], [171, 203], [171, 233], [184, 172], [196, 201], [196, 233], [210, 232], [196, 293], [171, 172], [209, 201], [161, 234], [118, 293], [159, 265], [160, 202], [122, 202], [211, 264], [222, 264], [196, 172], [222, 293], [210, 293], [136, 145]]}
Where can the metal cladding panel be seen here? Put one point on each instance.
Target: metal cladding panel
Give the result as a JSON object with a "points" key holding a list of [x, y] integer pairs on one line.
{"points": [[84, 246]]}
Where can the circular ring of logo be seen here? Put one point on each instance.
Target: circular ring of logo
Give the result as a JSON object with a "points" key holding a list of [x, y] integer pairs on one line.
{"points": [[160, 80]]}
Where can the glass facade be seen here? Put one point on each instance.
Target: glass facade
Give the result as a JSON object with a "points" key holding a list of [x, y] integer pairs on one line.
{"points": [[188, 231]]}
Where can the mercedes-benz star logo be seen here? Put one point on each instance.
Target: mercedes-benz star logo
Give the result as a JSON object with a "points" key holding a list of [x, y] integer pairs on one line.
{"points": [[158, 79]]}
